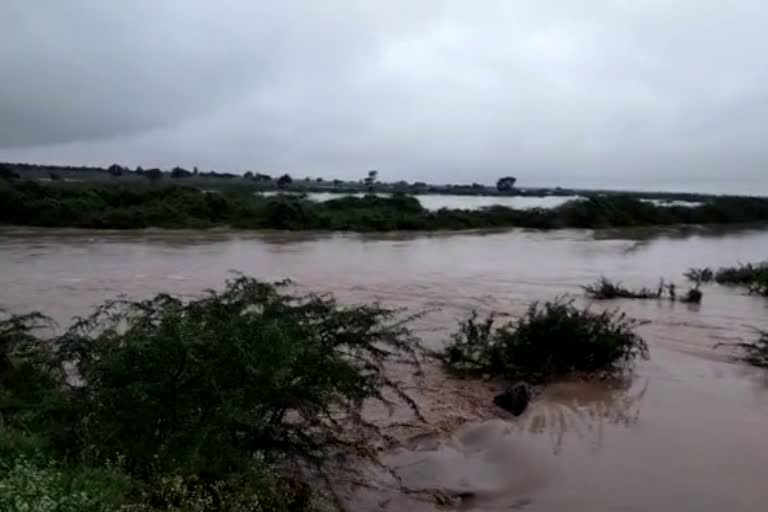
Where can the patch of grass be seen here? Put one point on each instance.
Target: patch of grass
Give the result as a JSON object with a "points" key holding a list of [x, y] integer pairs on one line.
{"points": [[550, 340]]}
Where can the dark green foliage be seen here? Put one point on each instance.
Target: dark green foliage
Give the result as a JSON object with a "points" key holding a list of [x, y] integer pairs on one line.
{"points": [[152, 203], [28, 375], [31, 481], [753, 276], [551, 340], [208, 383], [201, 400]]}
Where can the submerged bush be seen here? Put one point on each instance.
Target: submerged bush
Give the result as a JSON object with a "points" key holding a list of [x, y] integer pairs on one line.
{"points": [[753, 276], [605, 289], [755, 352], [550, 340]]}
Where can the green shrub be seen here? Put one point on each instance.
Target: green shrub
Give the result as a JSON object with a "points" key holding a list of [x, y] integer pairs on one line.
{"points": [[200, 400], [205, 385], [550, 340]]}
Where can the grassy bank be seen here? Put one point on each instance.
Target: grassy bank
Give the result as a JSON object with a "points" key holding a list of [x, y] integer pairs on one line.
{"points": [[84, 205]]}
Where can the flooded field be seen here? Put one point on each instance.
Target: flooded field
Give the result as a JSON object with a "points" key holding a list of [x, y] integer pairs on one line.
{"points": [[687, 432]]}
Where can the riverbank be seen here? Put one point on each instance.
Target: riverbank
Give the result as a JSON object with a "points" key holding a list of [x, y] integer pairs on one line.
{"points": [[94, 206]]}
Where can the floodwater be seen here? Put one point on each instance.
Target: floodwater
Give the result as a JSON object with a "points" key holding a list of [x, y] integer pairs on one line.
{"points": [[460, 202], [687, 432], [437, 201]]}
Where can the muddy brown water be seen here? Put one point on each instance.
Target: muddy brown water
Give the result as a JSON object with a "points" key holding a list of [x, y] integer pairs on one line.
{"points": [[688, 431]]}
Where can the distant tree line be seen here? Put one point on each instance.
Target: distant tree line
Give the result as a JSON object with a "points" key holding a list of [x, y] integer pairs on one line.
{"points": [[138, 205]]}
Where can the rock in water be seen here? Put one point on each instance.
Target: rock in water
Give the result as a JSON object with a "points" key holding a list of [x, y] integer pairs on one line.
{"points": [[514, 399]]}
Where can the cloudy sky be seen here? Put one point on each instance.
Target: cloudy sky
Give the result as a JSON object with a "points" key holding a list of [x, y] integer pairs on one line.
{"points": [[668, 94]]}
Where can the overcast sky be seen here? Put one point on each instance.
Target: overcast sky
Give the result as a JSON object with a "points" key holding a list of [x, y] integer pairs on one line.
{"points": [[617, 93]]}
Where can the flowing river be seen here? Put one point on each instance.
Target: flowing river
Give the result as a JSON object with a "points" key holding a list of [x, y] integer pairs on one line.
{"points": [[688, 431]]}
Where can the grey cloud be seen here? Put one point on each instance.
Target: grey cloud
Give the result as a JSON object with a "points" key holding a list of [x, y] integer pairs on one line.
{"points": [[639, 93]]}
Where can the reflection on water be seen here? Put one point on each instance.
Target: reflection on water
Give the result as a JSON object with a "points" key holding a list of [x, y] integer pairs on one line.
{"points": [[686, 433]]}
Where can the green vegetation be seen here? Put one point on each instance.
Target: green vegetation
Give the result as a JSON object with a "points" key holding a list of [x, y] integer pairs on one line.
{"points": [[214, 404], [123, 206], [754, 277], [551, 340]]}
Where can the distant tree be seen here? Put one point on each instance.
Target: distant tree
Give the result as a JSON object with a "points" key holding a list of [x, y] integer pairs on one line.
{"points": [[54, 176], [284, 180], [153, 174], [337, 182], [262, 177], [373, 175], [117, 170], [401, 185], [319, 180], [139, 169], [248, 175], [178, 172], [506, 184]]}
